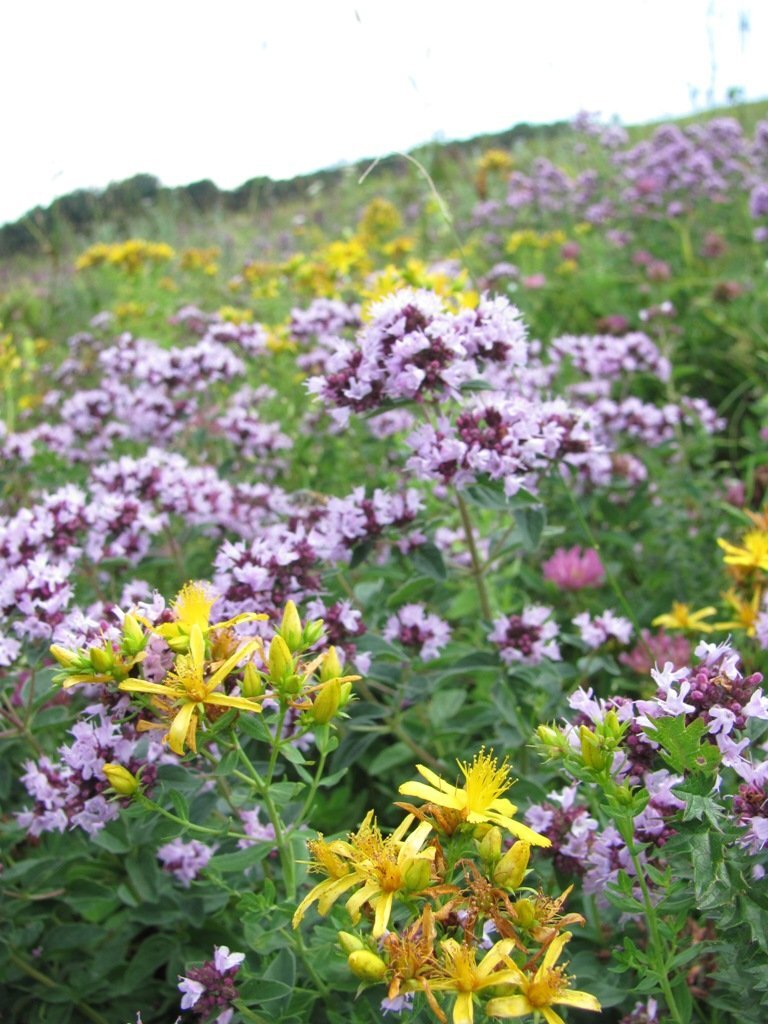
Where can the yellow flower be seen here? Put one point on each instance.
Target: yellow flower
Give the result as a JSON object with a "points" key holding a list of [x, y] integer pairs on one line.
{"points": [[548, 987], [480, 799], [382, 867], [754, 554], [681, 617], [746, 611], [186, 693], [460, 972], [192, 607]]}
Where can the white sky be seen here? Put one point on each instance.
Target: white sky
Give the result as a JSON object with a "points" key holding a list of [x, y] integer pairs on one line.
{"points": [[94, 91]]}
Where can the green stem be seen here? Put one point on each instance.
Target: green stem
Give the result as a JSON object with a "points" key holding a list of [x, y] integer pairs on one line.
{"points": [[658, 946], [309, 799], [33, 972], [190, 826], [477, 567], [282, 841]]}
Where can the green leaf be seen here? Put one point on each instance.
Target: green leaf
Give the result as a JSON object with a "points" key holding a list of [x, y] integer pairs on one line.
{"points": [[684, 747], [530, 523], [428, 559], [391, 757], [445, 704]]}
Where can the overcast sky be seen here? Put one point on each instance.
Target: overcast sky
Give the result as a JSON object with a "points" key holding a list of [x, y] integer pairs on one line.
{"points": [[94, 91]]}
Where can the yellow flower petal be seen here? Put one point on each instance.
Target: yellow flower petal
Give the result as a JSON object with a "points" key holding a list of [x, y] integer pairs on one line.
{"points": [[508, 1006], [177, 734]]}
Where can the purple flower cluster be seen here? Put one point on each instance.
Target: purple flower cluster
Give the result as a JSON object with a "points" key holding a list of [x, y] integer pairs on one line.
{"points": [[511, 440], [604, 357], [413, 348], [602, 628], [527, 638], [211, 986], [70, 793], [183, 860], [420, 631]]}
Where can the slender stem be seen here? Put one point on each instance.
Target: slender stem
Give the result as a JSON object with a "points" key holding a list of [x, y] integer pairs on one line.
{"points": [[284, 848], [477, 567], [658, 945], [48, 982], [188, 825], [309, 799]]}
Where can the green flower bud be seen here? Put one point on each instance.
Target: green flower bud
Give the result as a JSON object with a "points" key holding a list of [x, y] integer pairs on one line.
{"points": [[331, 666], [416, 875], [312, 632], [510, 871], [326, 703], [179, 644], [489, 847], [280, 661], [102, 660], [134, 640], [120, 779], [69, 659], [592, 751], [350, 943], [366, 965], [290, 628], [253, 681], [526, 913]]}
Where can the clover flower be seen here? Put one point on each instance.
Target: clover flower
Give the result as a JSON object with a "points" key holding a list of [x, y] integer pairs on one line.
{"points": [[574, 568]]}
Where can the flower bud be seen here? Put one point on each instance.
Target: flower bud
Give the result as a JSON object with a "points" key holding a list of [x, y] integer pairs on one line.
{"points": [[68, 659], [290, 627], [345, 694], [366, 965], [510, 871], [280, 661], [312, 632], [611, 725], [179, 644], [102, 660], [253, 681], [593, 755], [134, 639], [526, 913], [120, 779], [350, 943], [489, 847], [326, 702], [416, 874], [331, 667], [549, 736]]}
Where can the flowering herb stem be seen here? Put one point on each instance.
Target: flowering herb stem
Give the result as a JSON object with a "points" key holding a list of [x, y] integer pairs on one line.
{"points": [[44, 979], [287, 859], [190, 826], [477, 568], [658, 946]]}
